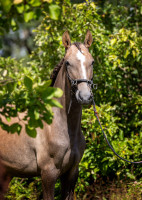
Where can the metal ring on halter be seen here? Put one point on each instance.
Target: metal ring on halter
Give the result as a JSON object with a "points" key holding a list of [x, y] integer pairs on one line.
{"points": [[95, 86], [74, 82]]}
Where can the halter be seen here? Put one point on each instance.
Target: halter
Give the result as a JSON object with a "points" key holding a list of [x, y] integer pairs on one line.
{"points": [[74, 83]]}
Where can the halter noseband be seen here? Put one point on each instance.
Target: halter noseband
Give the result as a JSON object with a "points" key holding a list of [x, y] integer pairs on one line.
{"points": [[75, 82]]}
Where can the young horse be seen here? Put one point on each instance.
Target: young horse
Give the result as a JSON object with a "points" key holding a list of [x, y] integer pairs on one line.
{"points": [[58, 148]]}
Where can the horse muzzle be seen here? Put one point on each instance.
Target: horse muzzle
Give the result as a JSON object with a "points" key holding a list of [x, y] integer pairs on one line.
{"points": [[83, 97]]}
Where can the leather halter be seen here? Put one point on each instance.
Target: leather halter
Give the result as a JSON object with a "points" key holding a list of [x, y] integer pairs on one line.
{"points": [[75, 82]]}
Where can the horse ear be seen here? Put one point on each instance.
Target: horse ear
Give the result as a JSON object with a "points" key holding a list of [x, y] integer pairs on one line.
{"points": [[88, 39], [66, 40]]}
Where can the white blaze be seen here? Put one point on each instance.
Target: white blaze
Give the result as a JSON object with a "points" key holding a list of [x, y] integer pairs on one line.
{"points": [[81, 57]]}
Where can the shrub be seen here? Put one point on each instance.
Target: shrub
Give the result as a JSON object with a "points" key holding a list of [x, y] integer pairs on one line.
{"points": [[117, 71]]}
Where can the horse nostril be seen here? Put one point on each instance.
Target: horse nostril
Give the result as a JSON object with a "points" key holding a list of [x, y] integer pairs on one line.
{"points": [[81, 98]]}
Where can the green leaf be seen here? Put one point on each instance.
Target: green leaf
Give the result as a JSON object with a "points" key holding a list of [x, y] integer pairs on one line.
{"points": [[15, 128], [20, 8], [31, 131], [113, 41], [36, 113], [126, 53], [51, 92], [13, 23], [6, 5], [48, 93], [54, 103], [28, 82], [35, 3], [131, 176], [54, 11], [29, 16], [40, 124], [58, 93], [135, 71], [121, 135], [47, 118]]}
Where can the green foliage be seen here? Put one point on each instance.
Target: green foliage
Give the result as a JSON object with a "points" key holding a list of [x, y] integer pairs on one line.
{"points": [[18, 11], [22, 89], [118, 14], [117, 52], [98, 158], [118, 75], [24, 189]]}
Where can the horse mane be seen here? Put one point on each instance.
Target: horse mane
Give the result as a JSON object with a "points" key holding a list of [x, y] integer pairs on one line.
{"points": [[58, 66], [56, 71]]}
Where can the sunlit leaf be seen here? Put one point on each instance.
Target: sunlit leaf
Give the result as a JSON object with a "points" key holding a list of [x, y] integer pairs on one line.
{"points": [[58, 93], [53, 102], [28, 82], [113, 41], [54, 11], [31, 131], [29, 16]]}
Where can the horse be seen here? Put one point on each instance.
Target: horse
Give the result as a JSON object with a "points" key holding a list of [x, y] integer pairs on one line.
{"points": [[56, 151]]}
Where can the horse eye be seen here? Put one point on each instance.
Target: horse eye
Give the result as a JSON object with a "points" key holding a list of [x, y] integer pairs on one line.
{"points": [[92, 62], [67, 63]]}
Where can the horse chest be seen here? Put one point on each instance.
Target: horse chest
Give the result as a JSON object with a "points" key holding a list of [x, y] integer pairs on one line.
{"points": [[71, 158], [66, 155]]}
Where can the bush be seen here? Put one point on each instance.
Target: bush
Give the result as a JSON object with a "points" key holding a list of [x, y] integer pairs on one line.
{"points": [[118, 73]]}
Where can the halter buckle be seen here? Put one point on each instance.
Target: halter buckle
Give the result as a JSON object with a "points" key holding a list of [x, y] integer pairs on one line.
{"points": [[94, 86], [73, 82]]}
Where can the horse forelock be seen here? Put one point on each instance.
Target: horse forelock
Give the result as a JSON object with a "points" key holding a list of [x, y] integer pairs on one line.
{"points": [[77, 44]]}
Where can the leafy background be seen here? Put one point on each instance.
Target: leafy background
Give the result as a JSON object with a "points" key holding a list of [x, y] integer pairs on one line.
{"points": [[117, 41]]}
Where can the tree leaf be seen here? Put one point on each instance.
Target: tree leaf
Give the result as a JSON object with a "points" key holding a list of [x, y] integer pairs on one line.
{"points": [[113, 41], [54, 103], [20, 8], [35, 3], [15, 128], [54, 11], [6, 5], [29, 16], [36, 113], [58, 93], [31, 131], [28, 82]]}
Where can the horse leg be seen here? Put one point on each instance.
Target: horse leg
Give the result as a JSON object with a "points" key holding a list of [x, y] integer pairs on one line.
{"points": [[5, 179], [48, 184], [68, 181]]}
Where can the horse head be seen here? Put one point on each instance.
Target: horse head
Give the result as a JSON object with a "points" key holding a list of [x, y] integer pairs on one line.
{"points": [[79, 67]]}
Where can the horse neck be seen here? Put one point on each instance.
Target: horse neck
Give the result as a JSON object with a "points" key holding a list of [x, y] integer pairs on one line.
{"points": [[74, 116]]}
